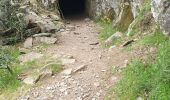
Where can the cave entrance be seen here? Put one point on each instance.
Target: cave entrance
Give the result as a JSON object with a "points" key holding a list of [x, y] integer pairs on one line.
{"points": [[72, 8]]}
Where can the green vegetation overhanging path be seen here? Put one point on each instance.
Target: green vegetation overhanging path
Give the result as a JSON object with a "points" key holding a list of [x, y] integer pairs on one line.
{"points": [[93, 77]]}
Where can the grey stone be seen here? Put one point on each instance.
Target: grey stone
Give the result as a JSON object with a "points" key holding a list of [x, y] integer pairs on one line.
{"points": [[30, 57], [161, 14], [67, 71], [31, 80], [96, 84], [47, 40], [28, 42], [46, 25], [116, 35]]}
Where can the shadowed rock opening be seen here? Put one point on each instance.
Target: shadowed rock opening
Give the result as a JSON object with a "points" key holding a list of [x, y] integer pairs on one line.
{"points": [[72, 8]]}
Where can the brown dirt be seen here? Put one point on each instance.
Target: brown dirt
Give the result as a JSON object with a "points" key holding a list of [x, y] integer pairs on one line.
{"points": [[89, 84]]}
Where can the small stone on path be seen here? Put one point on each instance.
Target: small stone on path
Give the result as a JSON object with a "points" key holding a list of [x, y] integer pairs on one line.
{"points": [[96, 84], [67, 72]]}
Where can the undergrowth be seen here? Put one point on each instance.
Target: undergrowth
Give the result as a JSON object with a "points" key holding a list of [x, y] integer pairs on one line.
{"points": [[14, 23], [106, 30], [147, 80], [8, 77]]}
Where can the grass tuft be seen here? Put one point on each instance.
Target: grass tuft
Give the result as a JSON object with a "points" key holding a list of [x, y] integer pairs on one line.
{"points": [[9, 80], [149, 80], [154, 39], [106, 30]]}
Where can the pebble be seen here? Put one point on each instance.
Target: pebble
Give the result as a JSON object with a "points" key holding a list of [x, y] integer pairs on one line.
{"points": [[67, 71], [98, 94], [63, 89], [96, 84], [103, 70], [93, 98], [66, 93], [49, 88], [62, 30]]}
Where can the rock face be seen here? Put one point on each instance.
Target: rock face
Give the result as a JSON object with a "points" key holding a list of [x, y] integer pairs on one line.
{"points": [[125, 17], [36, 16], [121, 12], [43, 16], [100, 8], [161, 13]]}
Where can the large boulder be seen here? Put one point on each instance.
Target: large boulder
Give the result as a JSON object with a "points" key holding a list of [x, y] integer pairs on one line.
{"points": [[125, 17], [101, 8], [161, 13], [30, 57]]}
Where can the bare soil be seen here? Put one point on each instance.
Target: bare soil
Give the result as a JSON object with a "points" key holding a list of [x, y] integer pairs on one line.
{"points": [[91, 83]]}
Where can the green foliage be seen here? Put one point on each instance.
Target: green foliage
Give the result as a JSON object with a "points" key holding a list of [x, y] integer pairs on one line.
{"points": [[7, 56], [106, 29], [8, 72], [149, 80], [12, 21], [8, 81], [154, 39], [55, 68]]}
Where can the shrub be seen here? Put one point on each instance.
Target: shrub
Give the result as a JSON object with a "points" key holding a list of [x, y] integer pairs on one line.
{"points": [[8, 70], [150, 80], [16, 24]]}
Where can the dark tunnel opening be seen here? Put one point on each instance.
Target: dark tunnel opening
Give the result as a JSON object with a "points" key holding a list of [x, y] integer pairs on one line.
{"points": [[70, 8]]}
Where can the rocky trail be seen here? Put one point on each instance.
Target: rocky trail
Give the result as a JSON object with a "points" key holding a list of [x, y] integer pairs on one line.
{"points": [[86, 73]]}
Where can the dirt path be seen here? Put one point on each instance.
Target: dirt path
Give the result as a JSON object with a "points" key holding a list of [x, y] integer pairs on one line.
{"points": [[88, 84]]}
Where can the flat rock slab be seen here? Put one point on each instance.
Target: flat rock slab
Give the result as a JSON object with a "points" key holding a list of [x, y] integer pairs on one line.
{"points": [[30, 57], [31, 80], [47, 40], [67, 71]]}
